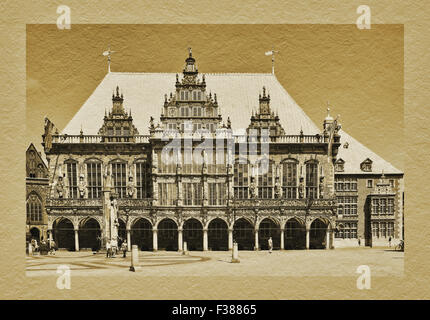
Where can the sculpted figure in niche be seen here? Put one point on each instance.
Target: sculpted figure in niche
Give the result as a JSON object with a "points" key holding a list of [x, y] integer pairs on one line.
{"points": [[59, 188], [277, 188], [321, 187], [82, 187], [301, 188], [130, 187], [252, 194]]}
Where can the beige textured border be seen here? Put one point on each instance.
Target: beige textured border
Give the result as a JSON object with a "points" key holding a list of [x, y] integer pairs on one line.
{"points": [[414, 16]]}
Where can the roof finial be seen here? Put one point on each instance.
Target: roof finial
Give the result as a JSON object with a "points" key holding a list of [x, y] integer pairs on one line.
{"points": [[272, 53], [190, 52], [108, 53]]}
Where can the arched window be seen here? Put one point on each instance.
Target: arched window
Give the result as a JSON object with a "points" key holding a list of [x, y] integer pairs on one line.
{"points": [[311, 180], [40, 171], [94, 179], [119, 174], [265, 179], [72, 177], [143, 179], [241, 180], [289, 179], [34, 208]]}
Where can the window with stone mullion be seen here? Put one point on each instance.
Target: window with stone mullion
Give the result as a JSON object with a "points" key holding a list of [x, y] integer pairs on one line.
{"points": [[120, 178], [240, 181], [289, 180], [94, 180]]}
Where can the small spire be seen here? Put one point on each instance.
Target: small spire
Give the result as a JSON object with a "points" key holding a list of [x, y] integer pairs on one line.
{"points": [[215, 97], [117, 91], [264, 91]]}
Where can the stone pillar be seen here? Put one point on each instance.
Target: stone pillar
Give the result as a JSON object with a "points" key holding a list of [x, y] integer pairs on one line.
{"points": [[134, 258], [154, 239], [332, 239], [128, 240], [230, 239], [282, 239], [327, 239], [205, 239], [256, 246], [180, 239], [50, 234], [307, 238], [76, 240]]}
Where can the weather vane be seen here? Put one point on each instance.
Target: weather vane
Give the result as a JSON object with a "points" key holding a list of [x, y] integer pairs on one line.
{"points": [[272, 53], [108, 53]]}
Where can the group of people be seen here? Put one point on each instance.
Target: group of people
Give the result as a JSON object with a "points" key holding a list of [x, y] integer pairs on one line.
{"points": [[45, 247], [112, 248]]}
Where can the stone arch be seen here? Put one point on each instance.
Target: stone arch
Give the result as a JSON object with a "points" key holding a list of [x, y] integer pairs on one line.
{"points": [[295, 233], [63, 233], [89, 234], [275, 220], [243, 233], [141, 234], [167, 234], [269, 228], [193, 233], [218, 234], [35, 233], [317, 233], [206, 226], [169, 218]]}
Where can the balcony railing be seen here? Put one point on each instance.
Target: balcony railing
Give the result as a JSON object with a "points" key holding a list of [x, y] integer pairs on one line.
{"points": [[87, 139], [122, 202], [296, 203], [71, 139]]}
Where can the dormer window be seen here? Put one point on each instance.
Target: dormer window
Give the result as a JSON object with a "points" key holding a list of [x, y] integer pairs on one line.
{"points": [[197, 95], [185, 112], [339, 165], [366, 165]]}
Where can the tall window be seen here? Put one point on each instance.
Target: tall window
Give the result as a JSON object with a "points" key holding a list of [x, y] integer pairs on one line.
{"points": [[119, 178], [188, 163], [143, 179], [167, 194], [192, 193], [265, 180], [240, 181], [311, 180], [289, 180], [73, 179], [34, 208], [216, 194], [166, 165], [94, 179]]}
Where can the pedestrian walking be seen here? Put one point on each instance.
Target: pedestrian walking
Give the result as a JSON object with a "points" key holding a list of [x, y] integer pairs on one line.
{"points": [[124, 249], [359, 241], [389, 241], [270, 241], [108, 249]]}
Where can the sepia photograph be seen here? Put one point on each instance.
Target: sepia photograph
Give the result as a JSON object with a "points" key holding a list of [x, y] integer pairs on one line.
{"points": [[210, 159], [214, 163]]}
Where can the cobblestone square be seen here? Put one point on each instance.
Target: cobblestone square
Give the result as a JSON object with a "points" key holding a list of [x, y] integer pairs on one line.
{"points": [[342, 262]]}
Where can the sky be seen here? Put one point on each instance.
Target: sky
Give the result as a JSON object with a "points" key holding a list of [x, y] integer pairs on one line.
{"points": [[360, 72]]}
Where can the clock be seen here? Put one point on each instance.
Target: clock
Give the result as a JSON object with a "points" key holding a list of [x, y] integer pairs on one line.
{"points": [[172, 112]]}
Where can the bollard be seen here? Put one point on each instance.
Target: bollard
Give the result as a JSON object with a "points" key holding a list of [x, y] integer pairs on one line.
{"points": [[235, 253], [30, 249], [185, 248], [134, 258]]}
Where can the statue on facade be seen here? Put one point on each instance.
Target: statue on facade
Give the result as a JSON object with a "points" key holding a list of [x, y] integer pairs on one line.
{"points": [[82, 187], [130, 187], [301, 188], [252, 194], [107, 180], [114, 224], [277, 188], [59, 188], [321, 188]]}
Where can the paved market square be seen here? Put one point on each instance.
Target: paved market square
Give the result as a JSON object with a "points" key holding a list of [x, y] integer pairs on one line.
{"points": [[341, 262]]}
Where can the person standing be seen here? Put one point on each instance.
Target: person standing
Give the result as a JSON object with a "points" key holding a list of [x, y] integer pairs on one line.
{"points": [[270, 241], [389, 241], [359, 241], [124, 249], [108, 249]]}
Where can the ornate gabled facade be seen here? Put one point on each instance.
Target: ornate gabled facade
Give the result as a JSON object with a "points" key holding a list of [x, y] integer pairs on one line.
{"points": [[194, 179], [37, 186]]}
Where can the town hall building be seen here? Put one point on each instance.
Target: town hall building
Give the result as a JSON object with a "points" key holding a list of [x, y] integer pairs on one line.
{"points": [[212, 159]]}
